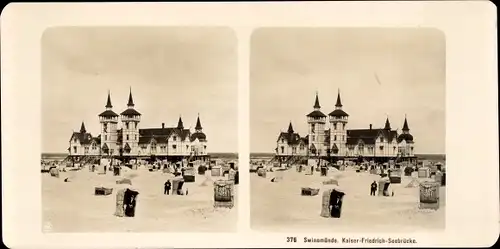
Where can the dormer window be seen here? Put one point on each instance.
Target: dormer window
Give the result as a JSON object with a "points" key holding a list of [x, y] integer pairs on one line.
{"points": [[174, 138], [381, 139]]}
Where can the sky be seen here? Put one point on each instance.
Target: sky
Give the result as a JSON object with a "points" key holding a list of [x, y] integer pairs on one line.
{"points": [[380, 73], [172, 71]]}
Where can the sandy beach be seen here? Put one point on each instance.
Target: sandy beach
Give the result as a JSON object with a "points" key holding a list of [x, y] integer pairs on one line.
{"points": [[279, 206], [73, 207]]}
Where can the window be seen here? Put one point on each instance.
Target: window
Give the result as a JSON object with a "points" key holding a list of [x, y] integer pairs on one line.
{"points": [[334, 137], [343, 138], [86, 150], [282, 149], [313, 138], [74, 149], [111, 151], [282, 140], [143, 147], [174, 138], [312, 128], [335, 126], [294, 149], [394, 148], [105, 137], [187, 147], [126, 125], [127, 136], [135, 137], [74, 140], [343, 126], [381, 139], [174, 146], [204, 147], [381, 147]]}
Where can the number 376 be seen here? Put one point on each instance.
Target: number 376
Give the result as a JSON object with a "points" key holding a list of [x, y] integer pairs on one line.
{"points": [[291, 239]]}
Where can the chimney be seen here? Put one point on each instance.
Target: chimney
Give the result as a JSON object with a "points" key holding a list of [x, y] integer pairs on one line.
{"points": [[163, 125], [370, 126]]}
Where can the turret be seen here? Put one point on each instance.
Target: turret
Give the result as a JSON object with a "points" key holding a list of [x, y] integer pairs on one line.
{"points": [[338, 129], [130, 126], [109, 126], [316, 120]]}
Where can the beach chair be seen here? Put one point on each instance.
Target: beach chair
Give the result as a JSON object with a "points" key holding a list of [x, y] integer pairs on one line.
{"points": [[223, 194], [429, 195]]}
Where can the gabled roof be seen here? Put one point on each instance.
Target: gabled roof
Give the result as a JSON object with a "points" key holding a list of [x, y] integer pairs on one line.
{"points": [[84, 138], [145, 135], [335, 149], [305, 140], [291, 138], [369, 135]]}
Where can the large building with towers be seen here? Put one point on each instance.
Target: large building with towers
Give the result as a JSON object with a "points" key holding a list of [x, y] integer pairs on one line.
{"points": [[121, 136], [329, 137]]}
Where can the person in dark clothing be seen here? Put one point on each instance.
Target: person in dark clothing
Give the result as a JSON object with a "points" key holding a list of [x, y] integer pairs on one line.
{"points": [[335, 204], [179, 188], [167, 187], [386, 189], [130, 202], [373, 188]]}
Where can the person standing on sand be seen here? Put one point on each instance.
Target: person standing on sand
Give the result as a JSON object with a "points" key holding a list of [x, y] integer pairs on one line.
{"points": [[168, 185], [373, 188]]}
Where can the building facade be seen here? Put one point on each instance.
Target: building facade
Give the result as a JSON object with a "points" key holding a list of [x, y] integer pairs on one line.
{"points": [[329, 137], [122, 136]]}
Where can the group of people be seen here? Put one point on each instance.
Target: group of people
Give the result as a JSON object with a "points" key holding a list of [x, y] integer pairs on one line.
{"points": [[374, 186], [168, 186]]}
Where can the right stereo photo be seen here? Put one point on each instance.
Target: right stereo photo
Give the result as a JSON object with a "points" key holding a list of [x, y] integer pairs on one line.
{"points": [[347, 129]]}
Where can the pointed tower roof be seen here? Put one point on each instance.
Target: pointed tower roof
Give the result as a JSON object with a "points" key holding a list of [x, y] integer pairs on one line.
{"points": [[180, 125], [198, 124], [316, 103], [339, 102], [130, 99], [108, 104], [290, 127], [82, 128], [387, 124], [405, 125]]}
